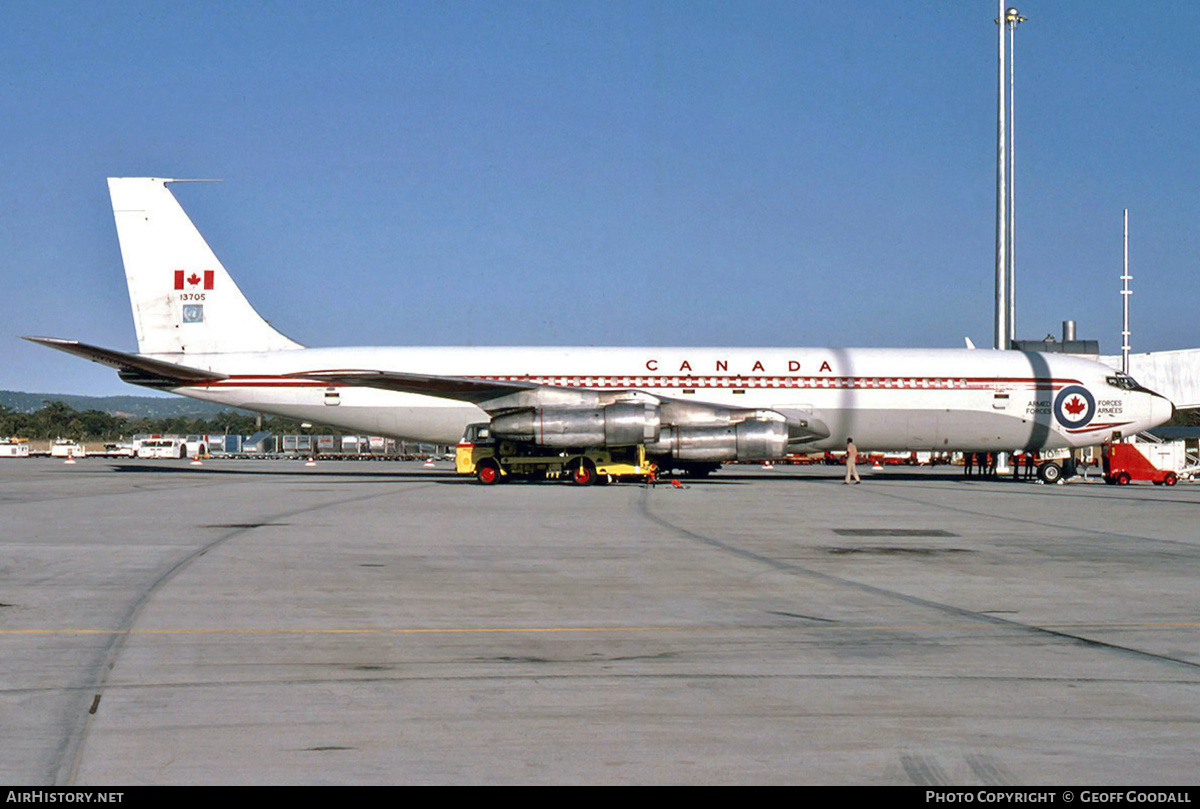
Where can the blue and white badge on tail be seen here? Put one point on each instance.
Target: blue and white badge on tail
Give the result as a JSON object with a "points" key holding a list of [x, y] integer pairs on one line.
{"points": [[1074, 407]]}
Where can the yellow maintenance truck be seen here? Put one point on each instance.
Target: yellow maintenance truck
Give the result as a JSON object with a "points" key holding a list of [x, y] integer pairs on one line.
{"points": [[494, 460]]}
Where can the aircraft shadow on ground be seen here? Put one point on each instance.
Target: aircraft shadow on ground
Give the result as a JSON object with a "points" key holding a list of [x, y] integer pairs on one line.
{"points": [[445, 476], [438, 476], [329, 472], [867, 477]]}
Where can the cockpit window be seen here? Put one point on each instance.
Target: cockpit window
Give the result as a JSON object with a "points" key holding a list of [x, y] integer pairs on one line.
{"points": [[1124, 382]]}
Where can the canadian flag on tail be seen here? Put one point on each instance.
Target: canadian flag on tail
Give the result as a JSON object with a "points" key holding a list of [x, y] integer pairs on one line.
{"points": [[184, 280]]}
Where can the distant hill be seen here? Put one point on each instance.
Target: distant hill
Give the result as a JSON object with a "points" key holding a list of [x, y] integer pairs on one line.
{"points": [[136, 406]]}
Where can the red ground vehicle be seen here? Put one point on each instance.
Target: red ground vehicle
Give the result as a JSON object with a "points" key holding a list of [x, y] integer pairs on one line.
{"points": [[1124, 463]]}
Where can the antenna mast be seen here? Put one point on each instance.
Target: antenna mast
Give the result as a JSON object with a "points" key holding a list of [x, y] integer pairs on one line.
{"points": [[1125, 293]]}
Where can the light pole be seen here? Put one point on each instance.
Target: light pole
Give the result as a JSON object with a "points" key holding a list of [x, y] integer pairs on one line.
{"points": [[1001, 330], [1012, 19], [1007, 21]]}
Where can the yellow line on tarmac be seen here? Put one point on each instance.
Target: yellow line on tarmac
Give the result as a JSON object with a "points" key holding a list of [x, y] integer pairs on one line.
{"points": [[568, 630], [426, 631]]}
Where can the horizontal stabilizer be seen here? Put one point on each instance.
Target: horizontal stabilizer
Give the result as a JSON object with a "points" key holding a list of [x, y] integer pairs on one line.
{"points": [[133, 368]]}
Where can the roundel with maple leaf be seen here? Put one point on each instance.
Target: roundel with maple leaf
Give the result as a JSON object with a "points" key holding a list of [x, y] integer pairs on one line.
{"points": [[1074, 406]]}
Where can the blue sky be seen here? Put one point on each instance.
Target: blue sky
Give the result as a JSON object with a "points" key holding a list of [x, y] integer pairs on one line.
{"points": [[607, 173]]}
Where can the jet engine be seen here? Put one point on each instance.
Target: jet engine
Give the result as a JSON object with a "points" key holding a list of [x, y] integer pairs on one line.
{"points": [[629, 423], [749, 440], [616, 425]]}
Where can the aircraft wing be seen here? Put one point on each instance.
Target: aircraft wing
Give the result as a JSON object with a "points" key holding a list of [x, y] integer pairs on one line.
{"points": [[498, 397], [463, 389], [132, 367]]}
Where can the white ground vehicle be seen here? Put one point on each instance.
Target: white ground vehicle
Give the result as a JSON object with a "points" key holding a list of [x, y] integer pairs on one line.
{"points": [[66, 448], [162, 448], [14, 448], [171, 446]]}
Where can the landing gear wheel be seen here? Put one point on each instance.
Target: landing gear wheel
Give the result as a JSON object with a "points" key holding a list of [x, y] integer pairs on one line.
{"points": [[488, 473], [584, 474], [1050, 473]]}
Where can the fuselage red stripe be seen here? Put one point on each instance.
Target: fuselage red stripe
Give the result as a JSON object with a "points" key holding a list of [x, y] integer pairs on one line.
{"points": [[618, 382]]}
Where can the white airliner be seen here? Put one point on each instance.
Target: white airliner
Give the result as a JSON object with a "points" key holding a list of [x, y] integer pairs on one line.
{"points": [[199, 336]]}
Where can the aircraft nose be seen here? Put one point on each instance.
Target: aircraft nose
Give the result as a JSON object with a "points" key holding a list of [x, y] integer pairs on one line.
{"points": [[1161, 410]]}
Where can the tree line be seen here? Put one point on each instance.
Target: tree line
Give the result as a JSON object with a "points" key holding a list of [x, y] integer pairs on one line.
{"points": [[59, 420]]}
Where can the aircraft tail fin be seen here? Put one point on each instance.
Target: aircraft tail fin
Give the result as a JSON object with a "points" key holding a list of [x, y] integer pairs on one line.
{"points": [[183, 300]]}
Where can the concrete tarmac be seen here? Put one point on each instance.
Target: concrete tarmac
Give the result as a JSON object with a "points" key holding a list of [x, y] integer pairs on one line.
{"points": [[262, 622]]}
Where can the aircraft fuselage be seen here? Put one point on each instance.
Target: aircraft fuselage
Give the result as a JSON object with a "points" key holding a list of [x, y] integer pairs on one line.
{"points": [[887, 399]]}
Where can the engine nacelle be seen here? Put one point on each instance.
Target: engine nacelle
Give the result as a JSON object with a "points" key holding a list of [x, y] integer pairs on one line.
{"points": [[749, 440], [628, 423], [617, 425]]}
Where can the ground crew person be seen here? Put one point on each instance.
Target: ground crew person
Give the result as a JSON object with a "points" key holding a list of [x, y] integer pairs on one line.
{"points": [[851, 461]]}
